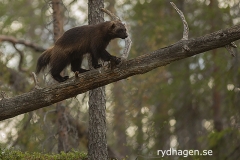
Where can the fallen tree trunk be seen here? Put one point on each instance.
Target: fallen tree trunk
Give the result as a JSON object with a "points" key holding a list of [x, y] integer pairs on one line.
{"points": [[39, 98]]}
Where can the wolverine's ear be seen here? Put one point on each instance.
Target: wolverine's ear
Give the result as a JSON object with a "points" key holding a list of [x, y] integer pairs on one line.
{"points": [[113, 25]]}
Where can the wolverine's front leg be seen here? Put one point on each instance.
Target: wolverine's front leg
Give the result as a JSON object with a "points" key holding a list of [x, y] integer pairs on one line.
{"points": [[108, 57], [95, 62], [95, 57]]}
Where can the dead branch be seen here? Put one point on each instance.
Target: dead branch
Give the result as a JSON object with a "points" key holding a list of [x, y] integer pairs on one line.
{"points": [[230, 47], [185, 24], [112, 16], [93, 79], [128, 44], [230, 50], [20, 59], [14, 40]]}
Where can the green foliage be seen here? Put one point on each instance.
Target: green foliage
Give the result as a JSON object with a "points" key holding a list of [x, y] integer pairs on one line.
{"points": [[10, 154]]}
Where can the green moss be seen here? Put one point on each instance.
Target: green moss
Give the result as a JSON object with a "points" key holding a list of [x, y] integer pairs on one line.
{"points": [[10, 154]]}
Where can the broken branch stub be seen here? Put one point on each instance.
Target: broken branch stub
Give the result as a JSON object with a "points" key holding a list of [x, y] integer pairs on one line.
{"points": [[128, 41], [36, 83], [230, 49]]}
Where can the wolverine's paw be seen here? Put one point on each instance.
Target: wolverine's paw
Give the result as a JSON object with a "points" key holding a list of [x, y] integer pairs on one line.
{"points": [[97, 66], [115, 61], [65, 78], [60, 79], [82, 70]]}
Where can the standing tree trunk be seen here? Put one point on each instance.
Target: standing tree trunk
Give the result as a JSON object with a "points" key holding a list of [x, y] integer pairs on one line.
{"points": [[63, 142], [216, 95], [97, 145], [57, 19]]}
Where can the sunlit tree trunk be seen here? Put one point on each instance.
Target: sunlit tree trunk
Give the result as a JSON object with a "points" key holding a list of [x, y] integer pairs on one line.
{"points": [[97, 147]]}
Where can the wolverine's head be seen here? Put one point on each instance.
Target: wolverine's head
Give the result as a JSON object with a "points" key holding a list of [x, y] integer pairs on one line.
{"points": [[118, 30]]}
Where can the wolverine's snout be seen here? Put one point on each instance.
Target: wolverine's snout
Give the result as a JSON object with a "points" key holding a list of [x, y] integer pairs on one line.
{"points": [[125, 36]]}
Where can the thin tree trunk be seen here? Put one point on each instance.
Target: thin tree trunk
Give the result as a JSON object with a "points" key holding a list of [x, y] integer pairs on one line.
{"points": [[57, 19], [216, 96], [119, 120], [63, 127], [97, 145], [63, 142]]}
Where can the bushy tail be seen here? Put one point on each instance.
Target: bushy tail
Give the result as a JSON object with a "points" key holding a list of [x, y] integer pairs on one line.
{"points": [[43, 60]]}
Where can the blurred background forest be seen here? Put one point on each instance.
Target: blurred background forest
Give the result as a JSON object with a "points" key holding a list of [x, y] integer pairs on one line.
{"points": [[190, 104]]}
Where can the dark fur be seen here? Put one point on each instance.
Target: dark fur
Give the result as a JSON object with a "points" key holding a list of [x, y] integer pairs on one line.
{"points": [[74, 43]]}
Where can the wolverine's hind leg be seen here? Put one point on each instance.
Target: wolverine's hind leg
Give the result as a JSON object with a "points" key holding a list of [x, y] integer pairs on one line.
{"points": [[76, 65], [56, 68]]}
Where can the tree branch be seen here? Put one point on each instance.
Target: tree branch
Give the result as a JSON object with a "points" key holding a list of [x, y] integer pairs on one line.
{"points": [[44, 97], [13, 40], [20, 59], [185, 24]]}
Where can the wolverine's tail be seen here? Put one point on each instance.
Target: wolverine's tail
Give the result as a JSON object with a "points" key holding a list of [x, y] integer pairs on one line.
{"points": [[43, 60]]}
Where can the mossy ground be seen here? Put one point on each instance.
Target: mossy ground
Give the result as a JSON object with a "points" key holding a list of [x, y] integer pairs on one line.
{"points": [[10, 154]]}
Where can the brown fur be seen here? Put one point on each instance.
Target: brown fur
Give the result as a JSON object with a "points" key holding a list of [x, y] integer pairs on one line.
{"points": [[74, 43]]}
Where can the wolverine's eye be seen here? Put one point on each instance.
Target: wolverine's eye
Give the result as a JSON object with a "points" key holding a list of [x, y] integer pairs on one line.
{"points": [[121, 30]]}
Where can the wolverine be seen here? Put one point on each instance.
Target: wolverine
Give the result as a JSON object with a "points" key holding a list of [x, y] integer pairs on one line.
{"points": [[74, 43]]}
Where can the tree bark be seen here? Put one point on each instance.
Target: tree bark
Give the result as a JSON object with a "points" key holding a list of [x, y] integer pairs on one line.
{"points": [[97, 144], [63, 139], [57, 19], [39, 98]]}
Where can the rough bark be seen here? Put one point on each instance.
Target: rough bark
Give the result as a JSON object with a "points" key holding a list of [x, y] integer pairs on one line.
{"points": [[57, 19], [82, 131], [97, 139], [39, 98], [63, 126]]}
